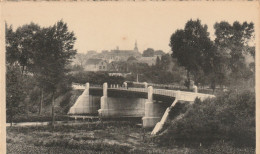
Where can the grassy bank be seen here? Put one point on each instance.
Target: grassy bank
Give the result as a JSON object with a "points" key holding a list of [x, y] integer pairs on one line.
{"points": [[225, 124], [62, 105], [98, 137]]}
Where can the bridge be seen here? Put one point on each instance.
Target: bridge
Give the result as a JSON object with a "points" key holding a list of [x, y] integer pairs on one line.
{"points": [[153, 105]]}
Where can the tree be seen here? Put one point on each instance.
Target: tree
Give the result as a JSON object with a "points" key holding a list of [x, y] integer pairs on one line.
{"points": [[159, 52], [149, 52], [165, 62], [232, 42], [21, 44], [43, 52], [60, 43], [11, 41], [158, 62], [55, 51], [190, 45], [14, 91], [80, 58]]}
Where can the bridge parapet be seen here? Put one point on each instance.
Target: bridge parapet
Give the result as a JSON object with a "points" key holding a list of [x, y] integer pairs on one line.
{"points": [[191, 96], [182, 95]]}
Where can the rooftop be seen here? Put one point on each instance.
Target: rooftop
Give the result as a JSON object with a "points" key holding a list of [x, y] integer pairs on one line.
{"points": [[93, 61]]}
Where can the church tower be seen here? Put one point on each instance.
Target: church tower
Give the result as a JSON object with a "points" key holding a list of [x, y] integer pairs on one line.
{"points": [[136, 48]]}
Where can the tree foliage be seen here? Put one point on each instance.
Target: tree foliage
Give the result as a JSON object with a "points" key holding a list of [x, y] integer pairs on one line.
{"points": [[159, 52], [43, 52], [230, 117], [192, 47], [149, 52], [215, 63], [15, 92], [233, 44]]}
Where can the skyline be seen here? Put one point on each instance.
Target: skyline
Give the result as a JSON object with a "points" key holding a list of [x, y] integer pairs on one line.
{"points": [[104, 26]]}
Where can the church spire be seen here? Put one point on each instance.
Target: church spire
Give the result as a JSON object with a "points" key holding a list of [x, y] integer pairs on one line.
{"points": [[136, 48]]}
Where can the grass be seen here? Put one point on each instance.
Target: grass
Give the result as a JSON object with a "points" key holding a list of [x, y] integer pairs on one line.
{"points": [[38, 118], [96, 137]]}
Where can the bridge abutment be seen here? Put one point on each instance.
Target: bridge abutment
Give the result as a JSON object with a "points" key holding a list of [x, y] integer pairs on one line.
{"points": [[85, 104]]}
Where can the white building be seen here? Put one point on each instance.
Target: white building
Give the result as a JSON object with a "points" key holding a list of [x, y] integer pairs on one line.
{"points": [[95, 65]]}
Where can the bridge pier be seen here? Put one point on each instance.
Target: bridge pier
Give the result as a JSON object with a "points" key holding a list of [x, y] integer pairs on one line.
{"points": [[120, 106], [152, 112], [103, 111]]}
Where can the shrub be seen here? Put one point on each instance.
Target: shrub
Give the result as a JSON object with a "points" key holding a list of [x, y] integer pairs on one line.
{"points": [[230, 117]]}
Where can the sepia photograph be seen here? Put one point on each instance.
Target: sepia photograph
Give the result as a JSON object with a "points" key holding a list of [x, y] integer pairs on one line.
{"points": [[166, 77]]}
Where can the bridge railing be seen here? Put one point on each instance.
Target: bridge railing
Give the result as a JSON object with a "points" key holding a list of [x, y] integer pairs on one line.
{"points": [[95, 86], [165, 92], [166, 86], [182, 95], [138, 89]]}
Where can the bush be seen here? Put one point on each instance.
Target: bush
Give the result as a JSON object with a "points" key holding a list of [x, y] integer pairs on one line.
{"points": [[229, 117]]}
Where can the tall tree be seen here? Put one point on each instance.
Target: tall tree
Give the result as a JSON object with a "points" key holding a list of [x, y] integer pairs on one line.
{"points": [[233, 43], [23, 45], [45, 52], [158, 62], [11, 41], [58, 50], [14, 91], [165, 62], [190, 45]]}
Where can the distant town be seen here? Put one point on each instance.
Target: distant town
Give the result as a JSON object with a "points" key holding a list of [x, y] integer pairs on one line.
{"points": [[109, 61]]}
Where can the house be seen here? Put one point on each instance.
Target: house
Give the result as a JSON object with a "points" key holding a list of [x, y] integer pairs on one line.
{"points": [[148, 60], [95, 65]]}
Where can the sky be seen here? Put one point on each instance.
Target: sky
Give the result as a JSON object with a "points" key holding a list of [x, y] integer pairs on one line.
{"points": [[106, 25]]}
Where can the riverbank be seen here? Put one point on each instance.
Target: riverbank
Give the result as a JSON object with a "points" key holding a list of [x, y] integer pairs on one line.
{"points": [[98, 137]]}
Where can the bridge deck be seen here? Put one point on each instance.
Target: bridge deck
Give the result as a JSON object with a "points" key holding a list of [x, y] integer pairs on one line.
{"points": [[142, 92]]}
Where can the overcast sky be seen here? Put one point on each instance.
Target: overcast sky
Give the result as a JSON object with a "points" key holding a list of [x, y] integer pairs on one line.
{"points": [[105, 25]]}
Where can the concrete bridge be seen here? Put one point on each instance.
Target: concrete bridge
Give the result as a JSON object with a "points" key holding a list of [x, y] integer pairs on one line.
{"points": [[153, 105]]}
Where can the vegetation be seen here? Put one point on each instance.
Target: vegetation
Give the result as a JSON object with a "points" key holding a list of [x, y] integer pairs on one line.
{"points": [[222, 62], [41, 55], [97, 137], [15, 93], [227, 121], [191, 47], [149, 52], [165, 71], [230, 117]]}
